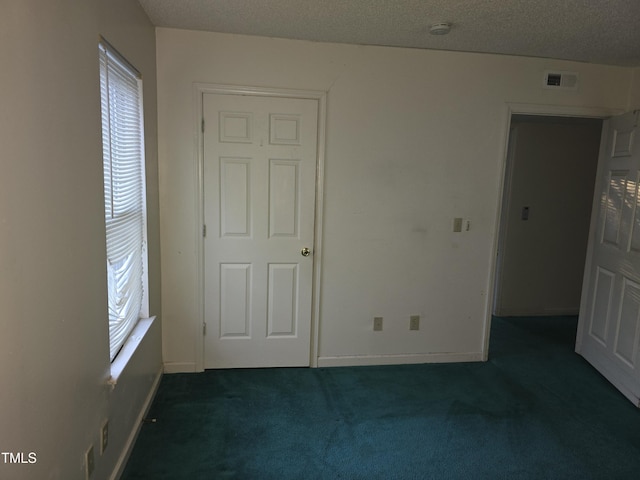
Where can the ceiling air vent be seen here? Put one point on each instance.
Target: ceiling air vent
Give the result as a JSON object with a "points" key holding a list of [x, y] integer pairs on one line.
{"points": [[561, 80]]}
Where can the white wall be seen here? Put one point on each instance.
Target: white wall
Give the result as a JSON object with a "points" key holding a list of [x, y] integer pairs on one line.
{"points": [[552, 172], [414, 138], [54, 354]]}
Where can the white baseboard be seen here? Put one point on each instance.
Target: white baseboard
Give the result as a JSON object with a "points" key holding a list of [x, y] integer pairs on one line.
{"points": [[180, 367], [536, 312], [126, 452], [364, 360]]}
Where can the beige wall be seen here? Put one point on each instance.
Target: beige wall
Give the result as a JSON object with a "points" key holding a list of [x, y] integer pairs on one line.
{"points": [[414, 138], [54, 359]]}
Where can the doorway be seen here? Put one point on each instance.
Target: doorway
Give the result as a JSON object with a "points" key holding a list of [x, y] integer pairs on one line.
{"points": [[546, 206]]}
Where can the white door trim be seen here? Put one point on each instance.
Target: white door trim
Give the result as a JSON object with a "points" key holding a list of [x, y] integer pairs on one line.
{"points": [[523, 109], [199, 90]]}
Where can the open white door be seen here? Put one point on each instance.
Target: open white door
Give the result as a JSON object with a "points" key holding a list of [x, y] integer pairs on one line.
{"points": [[609, 323], [260, 156]]}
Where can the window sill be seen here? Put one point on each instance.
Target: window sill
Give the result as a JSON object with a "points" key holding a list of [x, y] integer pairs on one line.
{"points": [[129, 349]]}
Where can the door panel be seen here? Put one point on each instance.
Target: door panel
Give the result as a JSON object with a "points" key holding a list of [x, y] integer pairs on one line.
{"points": [[283, 198], [235, 208], [259, 202], [235, 300], [283, 300], [626, 346], [601, 305], [609, 324], [615, 200]]}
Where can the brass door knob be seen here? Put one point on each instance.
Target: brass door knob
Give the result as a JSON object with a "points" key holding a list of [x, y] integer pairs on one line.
{"points": [[305, 252]]}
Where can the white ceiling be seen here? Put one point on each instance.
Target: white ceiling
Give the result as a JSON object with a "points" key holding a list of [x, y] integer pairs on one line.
{"points": [[595, 31]]}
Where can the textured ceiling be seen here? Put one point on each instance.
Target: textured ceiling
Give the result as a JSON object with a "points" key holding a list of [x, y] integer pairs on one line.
{"points": [[595, 31]]}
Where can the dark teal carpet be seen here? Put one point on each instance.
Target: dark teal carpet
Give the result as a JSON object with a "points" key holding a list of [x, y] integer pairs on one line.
{"points": [[535, 410]]}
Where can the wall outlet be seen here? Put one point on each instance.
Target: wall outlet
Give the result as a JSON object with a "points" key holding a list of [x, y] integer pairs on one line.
{"points": [[377, 324], [104, 437], [414, 322], [89, 462]]}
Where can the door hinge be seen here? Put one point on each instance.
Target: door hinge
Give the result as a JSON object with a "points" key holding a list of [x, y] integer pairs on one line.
{"points": [[204, 328], [204, 230], [202, 125]]}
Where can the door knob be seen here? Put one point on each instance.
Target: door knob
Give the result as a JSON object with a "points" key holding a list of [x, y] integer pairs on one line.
{"points": [[305, 252]]}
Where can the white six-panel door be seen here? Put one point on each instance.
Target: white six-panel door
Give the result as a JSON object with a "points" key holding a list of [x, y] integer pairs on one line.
{"points": [[609, 324], [259, 192]]}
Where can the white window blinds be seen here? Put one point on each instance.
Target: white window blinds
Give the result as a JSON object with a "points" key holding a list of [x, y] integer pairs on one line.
{"points": [[124, 195]]}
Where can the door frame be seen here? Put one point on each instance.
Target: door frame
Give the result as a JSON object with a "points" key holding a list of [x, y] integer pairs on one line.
{"points": [[199, 90], [503, 183]]}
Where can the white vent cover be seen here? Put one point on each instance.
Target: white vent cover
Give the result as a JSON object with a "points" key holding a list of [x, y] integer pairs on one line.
{"points": [[560, 80]]}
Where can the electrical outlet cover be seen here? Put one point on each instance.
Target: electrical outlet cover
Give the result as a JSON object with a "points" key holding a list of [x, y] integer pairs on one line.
{"points": [[377, 324], [104, 436]]}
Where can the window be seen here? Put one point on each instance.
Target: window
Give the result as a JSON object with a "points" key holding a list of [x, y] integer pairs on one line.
{"points": [[124, 195]]}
